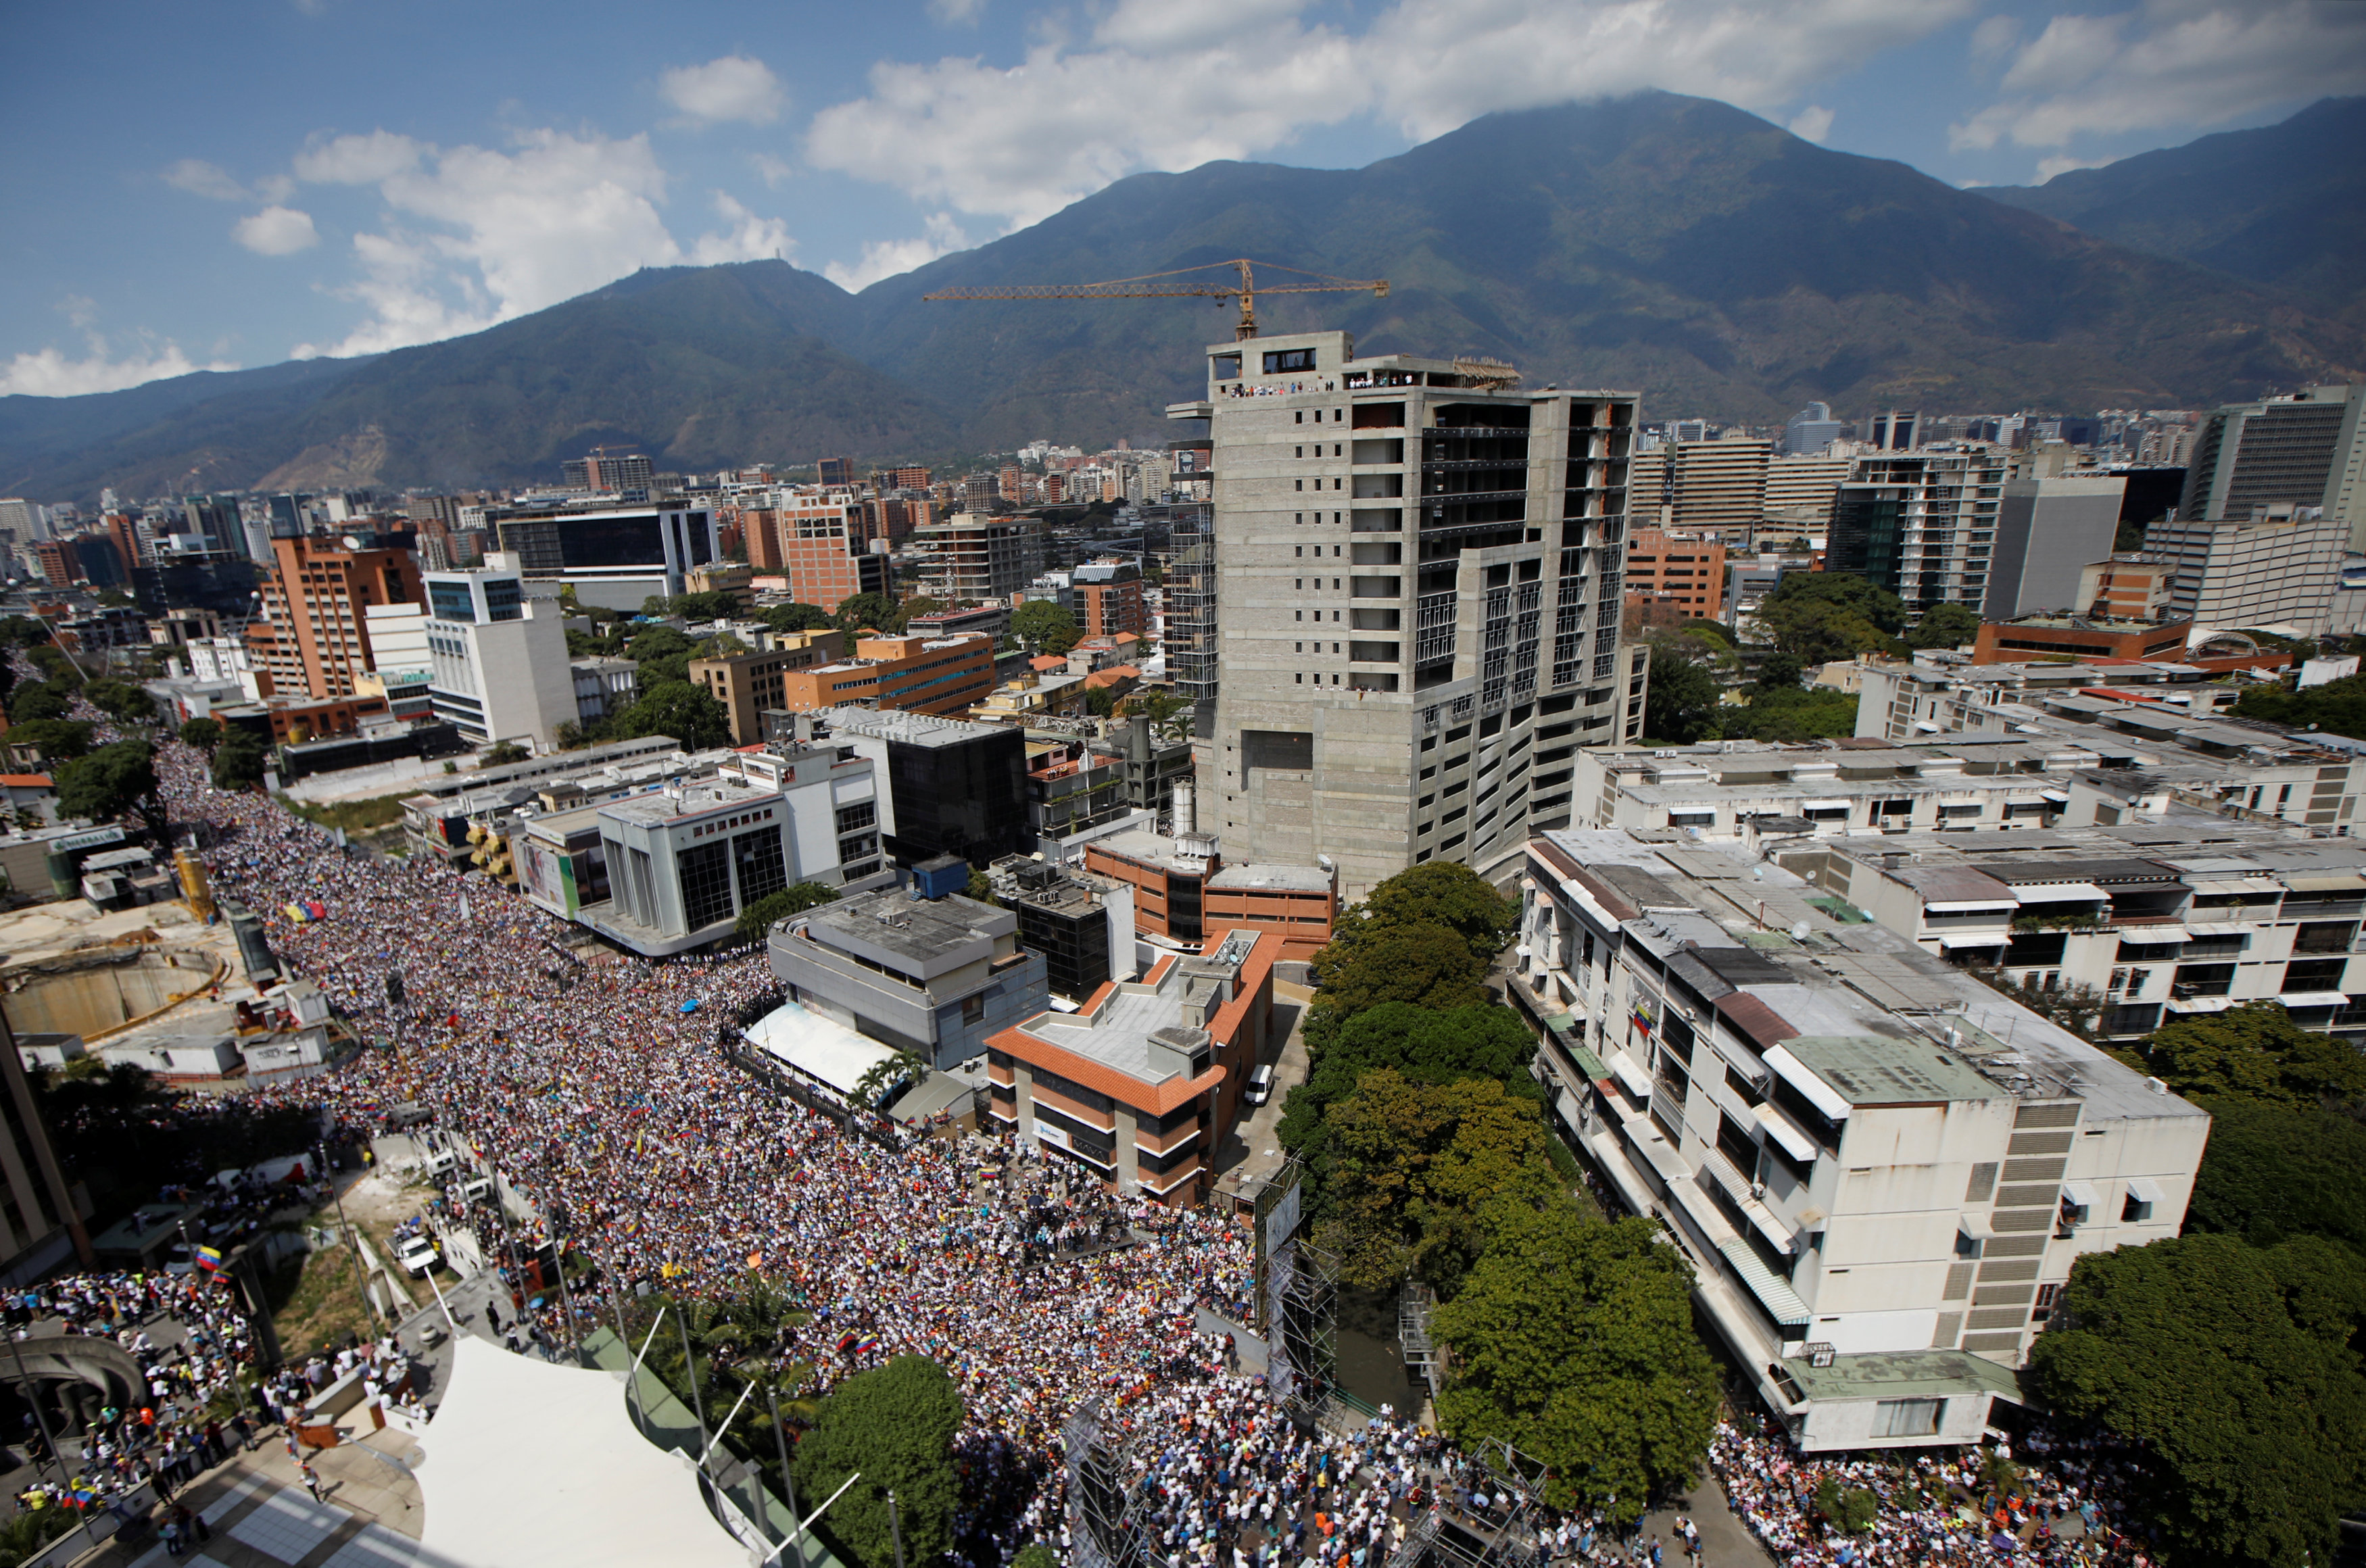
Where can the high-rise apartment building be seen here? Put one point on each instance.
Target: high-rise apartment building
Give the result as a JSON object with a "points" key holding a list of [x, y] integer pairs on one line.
{"points": [[615, 557], [747, 684], [1801, 489], [1807, 432], [1686, 568], [1922, 524], [1419, 601], [1712, 484], [970, 556], [1108, 599], [607, 473], [315, 634], [1189, 595], [2307, 450], [2278, 569], [834, 473]]}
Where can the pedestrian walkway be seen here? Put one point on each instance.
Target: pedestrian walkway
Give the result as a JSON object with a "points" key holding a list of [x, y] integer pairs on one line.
{"points": [[258, 1516]]}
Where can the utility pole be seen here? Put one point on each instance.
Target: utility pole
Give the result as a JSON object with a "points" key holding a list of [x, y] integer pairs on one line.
{"points": [[896, 1527], [690, 1371], [788, 1482]]}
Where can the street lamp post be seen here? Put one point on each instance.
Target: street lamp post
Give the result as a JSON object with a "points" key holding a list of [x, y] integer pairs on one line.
{"points": [[788, 1482], [33, 1397]]}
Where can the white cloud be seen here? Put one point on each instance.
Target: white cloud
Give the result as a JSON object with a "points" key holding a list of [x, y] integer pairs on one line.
{"points": [[957, 13], [2049, 167], [200, 178], [774, 171], [2170, 65], [49, 373], [356, 160], [79, 309], [735, 87], [1164, 86], [1994, 37], [1812, 124], [746, 237], [473, 236], [277, 231], [886, 258]]}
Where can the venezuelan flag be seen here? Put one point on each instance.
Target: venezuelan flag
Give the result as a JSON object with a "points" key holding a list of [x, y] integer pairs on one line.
{"points": [[209, 1258]]}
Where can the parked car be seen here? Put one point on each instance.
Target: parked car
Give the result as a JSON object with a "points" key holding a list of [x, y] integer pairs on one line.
{"points": [[1260, 1086], [417, 1254]]}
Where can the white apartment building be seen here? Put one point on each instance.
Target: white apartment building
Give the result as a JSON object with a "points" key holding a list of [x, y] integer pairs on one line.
{"points": [[2158, 920], [1418, 589], [1880, 1170], [2155, 727], [499, 659], [2276, 570]]}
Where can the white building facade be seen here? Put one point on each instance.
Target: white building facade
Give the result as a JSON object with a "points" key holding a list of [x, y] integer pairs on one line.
{"points": [[499, 659]]}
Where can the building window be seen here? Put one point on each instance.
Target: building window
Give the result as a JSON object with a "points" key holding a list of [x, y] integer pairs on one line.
{"points": [[861, 814], [1906, 1417], [703, 872]]}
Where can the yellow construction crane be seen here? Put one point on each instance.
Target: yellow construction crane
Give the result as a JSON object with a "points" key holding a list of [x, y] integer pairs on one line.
{"points": [[1155, 286]]}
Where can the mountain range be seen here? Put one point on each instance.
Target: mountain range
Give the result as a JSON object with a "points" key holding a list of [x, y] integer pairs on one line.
{"points": [[1678, 246]]}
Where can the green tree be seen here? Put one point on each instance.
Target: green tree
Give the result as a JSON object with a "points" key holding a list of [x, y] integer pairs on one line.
{"points": [[1045, 627], [1573, 1341], [1822, 616], [1943, 625], [871, 612], [1680, 706], [1441, 892], [241, 759], [981, 888], [1421, 962], [2274, 1171], [662, 653], [1791, 714], [881, 1076], [1779, 671], [895, 1425], [759, 917], [1852, 1508], [712, 605], [689, 714], [2233, 1368], [121, 701], [23, 631], [2253, 1053], [2339, 707], [797, 617], [1420, 1175], [58, 740], [1036, 1556], [203, 733], [1423, 1044], [114, 782], [500, 754], [38, 700]]}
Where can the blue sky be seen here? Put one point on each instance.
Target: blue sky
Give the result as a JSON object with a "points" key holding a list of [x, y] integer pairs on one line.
{"points": [[235, 183]]}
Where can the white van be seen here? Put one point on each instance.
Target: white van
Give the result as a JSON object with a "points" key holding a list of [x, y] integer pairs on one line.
{"points": [[1260, 1088]]}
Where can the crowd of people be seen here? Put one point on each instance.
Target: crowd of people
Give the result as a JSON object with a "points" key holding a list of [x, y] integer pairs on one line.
{"points": [[598, 1091], [2056, 1504]]}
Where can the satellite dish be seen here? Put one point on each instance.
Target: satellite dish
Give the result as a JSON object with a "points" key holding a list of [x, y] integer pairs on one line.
{"points": [[1799, 931]]}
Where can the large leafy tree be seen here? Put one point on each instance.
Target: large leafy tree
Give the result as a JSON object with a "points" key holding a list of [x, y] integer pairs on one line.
{"points": [[2339, 707], [896, 1426], [797, 617], [759, 917], [1045, 627], [2274, 1172], [1421, 962], [1423, 1045], [1413, 1165], [58, 740], [1680, 702], [1442, 892], [1943, 625], [241, 760], [38, 700], [689, 714], [869, 611], [1791, 714], [114, 782], [1573, 1342], [203, 733], [1821, 616], [121, 701], [2234, 1369], [2254, 1053]]}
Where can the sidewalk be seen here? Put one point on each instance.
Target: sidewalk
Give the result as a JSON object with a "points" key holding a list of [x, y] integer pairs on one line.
{"points": [[261, 1516]]}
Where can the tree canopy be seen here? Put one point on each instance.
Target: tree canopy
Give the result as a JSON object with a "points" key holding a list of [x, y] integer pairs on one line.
{"points": [[895, 1425], [2339, 707], [715, 604], [1442, 892], [1680, 705], [1573, 1341], [58, 740], [1045, 627], [1413, 1165], [38, 700], [241, 760], [2273, 1172], [1822, 616], [1791, 714], [874, 611], [1424, 935], [1943, 625], [121, 701], [114, 782], [203, 733], [2253, 1053], [689, 714], [1423, 1044], [2232, 1367], [797, 617]]}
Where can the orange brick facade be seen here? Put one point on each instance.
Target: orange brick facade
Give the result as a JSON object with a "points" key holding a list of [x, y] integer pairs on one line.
{"points": [[318, 640], [921, 675], [1689, 572]]}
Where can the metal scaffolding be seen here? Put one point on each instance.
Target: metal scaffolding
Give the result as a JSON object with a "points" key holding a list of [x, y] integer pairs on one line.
{"points": [[1101, 1500], [1415, 1302], [1457, 1531]]}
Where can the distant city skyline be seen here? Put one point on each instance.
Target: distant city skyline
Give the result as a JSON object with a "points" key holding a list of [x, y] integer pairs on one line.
{"points": [[284, 178]]}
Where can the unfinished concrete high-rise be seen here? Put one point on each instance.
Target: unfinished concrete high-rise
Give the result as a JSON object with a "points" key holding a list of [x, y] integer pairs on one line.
{"points": [[1418, 575]]}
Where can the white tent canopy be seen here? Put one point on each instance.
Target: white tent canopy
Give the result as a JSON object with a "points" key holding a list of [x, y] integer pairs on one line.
{"points": [[819, 1047], [529, 1463]]}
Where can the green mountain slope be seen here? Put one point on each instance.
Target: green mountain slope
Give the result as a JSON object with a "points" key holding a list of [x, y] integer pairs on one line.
{"points": [[1673, 245], [2283, 205]]}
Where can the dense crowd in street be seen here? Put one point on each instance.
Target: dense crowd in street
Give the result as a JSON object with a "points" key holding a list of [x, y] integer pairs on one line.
{"points": [[598, 1090]]}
